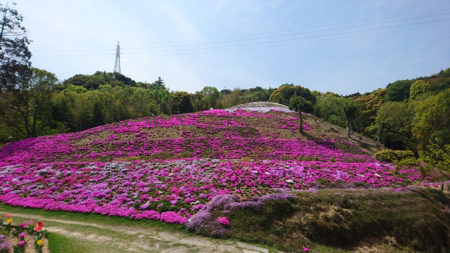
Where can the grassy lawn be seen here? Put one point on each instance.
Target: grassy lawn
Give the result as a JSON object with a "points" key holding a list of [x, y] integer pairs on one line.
{"points": [[94, 218], [78, 232], [60, 243], [105, 234]]}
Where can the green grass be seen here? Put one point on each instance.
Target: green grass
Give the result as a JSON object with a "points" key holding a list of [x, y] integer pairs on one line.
{"points": [[115, 240], [62, 244], [142, 236], [95, 218]]}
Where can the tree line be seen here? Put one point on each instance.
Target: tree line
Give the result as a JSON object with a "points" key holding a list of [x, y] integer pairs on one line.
{"points": [[407, 114], [45, 105]]}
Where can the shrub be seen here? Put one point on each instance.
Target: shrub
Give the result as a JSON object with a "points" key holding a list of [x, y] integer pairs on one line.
{"points": [[437, 157], [389, 155]]}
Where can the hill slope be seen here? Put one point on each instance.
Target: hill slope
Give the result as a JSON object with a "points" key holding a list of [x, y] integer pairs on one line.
{"points": [[174, 165], [232, 134]]}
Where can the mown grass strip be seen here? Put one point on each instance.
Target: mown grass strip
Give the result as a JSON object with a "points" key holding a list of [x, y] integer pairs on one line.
{"points": [[95, 218], [63, 244]]}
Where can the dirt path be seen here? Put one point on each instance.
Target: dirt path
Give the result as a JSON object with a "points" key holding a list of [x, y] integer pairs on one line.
{"points": [[140, 239]]}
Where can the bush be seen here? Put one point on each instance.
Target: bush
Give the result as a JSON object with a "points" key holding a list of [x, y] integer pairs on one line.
{"points": [[437, 157], [389, 155]]}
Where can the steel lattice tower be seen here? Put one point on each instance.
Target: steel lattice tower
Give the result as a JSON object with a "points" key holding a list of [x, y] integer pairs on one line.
{"points": [[117, 64]]}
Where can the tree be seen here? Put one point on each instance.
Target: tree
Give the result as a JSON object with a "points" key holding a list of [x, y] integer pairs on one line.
{"points": [[331, 108], [97, 115], [302, 100], [232, 98], [14, 54], [180, 102], [211, 94], [158, 83], [298, 104], [29, 99], [11, 22], [419, 88], [432, 120], [396, 120], [437, 157], [398, 90], [283, 94], [368, 104], [350, 112]]}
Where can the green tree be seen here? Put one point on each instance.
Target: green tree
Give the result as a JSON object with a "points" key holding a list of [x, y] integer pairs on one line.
{"points": [[97, 115], [283, 94], [331, 108], [231, 98], [396, 118], [398, 90], [436, 156], [419, 89], [60, 109], [298, 103], [180, 102], [210, 96], [159, 83], [198, 101], [29, 99], [368, 105], [432, 120], [350, 112]]}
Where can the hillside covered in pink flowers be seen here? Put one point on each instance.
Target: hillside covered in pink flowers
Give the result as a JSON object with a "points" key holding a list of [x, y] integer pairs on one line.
{"points": [[169, 167]]}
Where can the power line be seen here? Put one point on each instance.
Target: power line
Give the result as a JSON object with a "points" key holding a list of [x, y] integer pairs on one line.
{"points": [[275, 42], [169, 44], [284, 34], [262, 43]]}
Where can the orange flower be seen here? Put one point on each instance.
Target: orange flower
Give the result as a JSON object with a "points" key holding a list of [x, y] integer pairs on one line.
{"points": [[38, 227]]}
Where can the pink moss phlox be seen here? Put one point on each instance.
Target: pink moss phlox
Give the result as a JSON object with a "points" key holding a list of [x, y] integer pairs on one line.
{"points": [[60, 172], [223, 220]]}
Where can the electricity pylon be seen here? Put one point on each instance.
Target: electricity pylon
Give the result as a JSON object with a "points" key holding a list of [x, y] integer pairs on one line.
{"points": [[117, 64]]}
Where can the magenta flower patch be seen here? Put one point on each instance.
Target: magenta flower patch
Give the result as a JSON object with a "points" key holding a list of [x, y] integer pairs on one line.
{"points": [[169, 168], [223, 220]]}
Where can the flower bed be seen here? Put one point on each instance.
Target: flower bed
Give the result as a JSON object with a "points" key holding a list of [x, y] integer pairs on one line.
{"points": [[173, 190], [28, 237]]}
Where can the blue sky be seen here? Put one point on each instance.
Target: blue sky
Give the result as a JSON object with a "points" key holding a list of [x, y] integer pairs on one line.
{"points": [[340, 46]]}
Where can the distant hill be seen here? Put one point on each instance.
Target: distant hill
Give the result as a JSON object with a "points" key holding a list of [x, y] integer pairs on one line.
{"points": [[92, 82]]}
